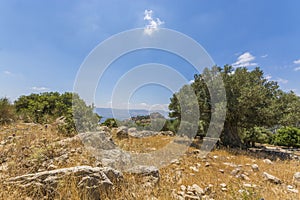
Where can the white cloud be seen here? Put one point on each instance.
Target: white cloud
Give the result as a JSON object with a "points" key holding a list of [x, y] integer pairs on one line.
{"points": [[297, 61], [191, 81], [264, 56], [39, 88], [245, 60], [281, 80], [148, 15], [297, 69], [153, 24], [268, 77]]}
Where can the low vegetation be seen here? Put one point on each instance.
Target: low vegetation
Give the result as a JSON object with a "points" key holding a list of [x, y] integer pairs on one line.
{"points": [[30, 148]]}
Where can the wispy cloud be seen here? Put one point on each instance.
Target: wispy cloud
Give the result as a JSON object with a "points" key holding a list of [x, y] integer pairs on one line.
{"points": [[264, 56], [245, 60], [281, 80], [297, 61], [39, 88], [7, 72], [268, 77], [153, 24], [297, 69]]}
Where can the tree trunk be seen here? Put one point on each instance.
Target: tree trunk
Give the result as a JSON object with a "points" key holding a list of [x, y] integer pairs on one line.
{"points": [[230, 136]]}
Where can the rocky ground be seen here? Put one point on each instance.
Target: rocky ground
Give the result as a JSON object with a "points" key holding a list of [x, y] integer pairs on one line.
{"points": [[37, 162]]}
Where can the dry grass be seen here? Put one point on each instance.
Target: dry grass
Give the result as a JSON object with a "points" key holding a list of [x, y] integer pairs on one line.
{"points": [[30, 146]]}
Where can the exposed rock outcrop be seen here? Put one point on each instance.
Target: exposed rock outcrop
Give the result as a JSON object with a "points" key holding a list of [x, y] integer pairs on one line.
{"points": [[90, 180]]}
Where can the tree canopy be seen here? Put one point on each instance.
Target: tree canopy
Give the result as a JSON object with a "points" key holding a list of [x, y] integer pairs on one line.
{"points": [[251, 101]]}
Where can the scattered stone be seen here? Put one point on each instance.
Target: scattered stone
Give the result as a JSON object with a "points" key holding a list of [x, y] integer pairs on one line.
{"points": [[73, 150], [207, 164], [297, 177], [175, 161], [247, 185], [255, 167], [230, 164], [195, 169], [221, 170], [268, 161], [223, 185], [197, 189], [122, 132], [271, 178], [245, 177], [293, 190], [183, 188], [290, 188], [235, 171]]}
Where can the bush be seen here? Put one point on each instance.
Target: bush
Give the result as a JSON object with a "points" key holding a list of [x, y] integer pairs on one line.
{"points": [[256, 134], [287, 136], [7, 111], [171, 125], [47, 107], [110, 122]]}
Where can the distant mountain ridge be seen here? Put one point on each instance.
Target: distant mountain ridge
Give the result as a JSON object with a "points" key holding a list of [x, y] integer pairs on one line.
{"points": [[122, 114]]}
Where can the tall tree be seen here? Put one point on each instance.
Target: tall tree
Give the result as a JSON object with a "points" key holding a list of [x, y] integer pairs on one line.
{"points": [[249, 99]]}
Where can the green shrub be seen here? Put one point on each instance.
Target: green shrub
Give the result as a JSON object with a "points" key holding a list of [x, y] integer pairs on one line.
{"points": [[110, 122], [47, 107], [7, 111], [256, 134], [287, 136]]}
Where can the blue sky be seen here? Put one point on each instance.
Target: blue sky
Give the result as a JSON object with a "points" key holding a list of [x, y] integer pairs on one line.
{"points": [[43, 43]]}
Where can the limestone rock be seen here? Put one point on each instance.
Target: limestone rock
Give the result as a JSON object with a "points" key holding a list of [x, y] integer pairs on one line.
{"points": [[255, 167], [92, 179], [122, 132], [149, 174], [271, 178], [268, 161], [235, 171], [297, 177], [197, 189]]}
